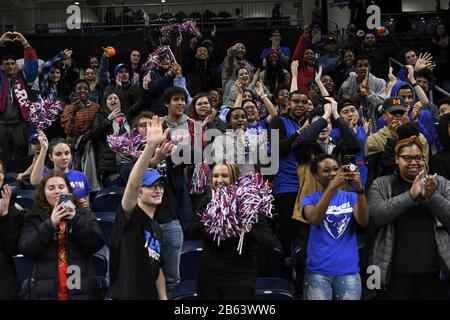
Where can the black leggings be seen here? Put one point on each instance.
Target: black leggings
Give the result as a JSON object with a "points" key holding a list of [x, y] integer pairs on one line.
{"points": [[207, 290], [425, 286], [288, 228]]}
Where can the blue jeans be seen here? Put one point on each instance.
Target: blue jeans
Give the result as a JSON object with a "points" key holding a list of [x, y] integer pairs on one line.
{"points": [[319, 287], [172, 240]]}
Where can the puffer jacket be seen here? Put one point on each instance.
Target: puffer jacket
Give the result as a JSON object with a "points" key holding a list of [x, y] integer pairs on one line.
{"points": [[9, 235], [38, 241], [385, 207], [105, 157]]}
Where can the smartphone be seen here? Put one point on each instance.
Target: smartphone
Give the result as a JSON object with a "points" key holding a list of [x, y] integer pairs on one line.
{"points": [[65, 197], [348, 159]]}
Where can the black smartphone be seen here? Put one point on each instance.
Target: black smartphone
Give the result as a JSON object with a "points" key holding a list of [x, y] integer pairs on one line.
{"points": [[65, 197], [349, 159]]}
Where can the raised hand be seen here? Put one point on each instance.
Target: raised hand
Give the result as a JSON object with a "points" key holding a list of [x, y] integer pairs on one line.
{"points": [[391, 76], [43, 141], [318, 76], [155, 134], [338, 180], [259, 89], [423, 61], [20, 37], [67, 53], [5, 200], [410, 73], [294, 67], [416, 110], [7, 37], [146, 81]]}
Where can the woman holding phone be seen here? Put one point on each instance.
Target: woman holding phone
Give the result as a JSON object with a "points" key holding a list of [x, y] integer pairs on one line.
{"points": [[60, 237], [109, 120]]}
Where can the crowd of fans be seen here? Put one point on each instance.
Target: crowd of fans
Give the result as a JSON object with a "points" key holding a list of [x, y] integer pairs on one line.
{"points": [[362, 154]]}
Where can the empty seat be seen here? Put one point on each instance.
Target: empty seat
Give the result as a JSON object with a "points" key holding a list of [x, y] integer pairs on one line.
{"points": [[180, 16], [106, 226], [223, 15], [274, 289], [9, 177], [108, 199], [106, 215], [185, 290], [24, 267], [25, 198], [166, 16], [195, 16], [191, 255]]}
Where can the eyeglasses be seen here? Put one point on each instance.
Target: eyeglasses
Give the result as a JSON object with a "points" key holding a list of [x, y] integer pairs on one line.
{"points": [[409, 159], [158, 185], [297, 101]]}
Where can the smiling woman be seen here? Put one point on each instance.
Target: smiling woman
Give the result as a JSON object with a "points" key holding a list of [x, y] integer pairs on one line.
{"points": [[410, 211]]}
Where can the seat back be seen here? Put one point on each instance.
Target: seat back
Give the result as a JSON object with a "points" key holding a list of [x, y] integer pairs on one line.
{"points": [[190, 260], [108, 199], [25, 198], [274, 289], [185, 290], [24, 267]]}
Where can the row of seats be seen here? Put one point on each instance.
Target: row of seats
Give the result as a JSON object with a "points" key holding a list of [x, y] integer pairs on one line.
{"points": [[105, 200]]}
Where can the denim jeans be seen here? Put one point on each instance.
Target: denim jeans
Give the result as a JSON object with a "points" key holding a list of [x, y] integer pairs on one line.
{"points": [[319, 287], [172, 240]]}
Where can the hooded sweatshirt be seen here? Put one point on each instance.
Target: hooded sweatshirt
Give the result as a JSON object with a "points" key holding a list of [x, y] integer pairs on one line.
{"points": [[440, 161], [425, 121]]}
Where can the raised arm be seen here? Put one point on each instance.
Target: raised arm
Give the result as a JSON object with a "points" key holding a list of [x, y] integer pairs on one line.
{"points": [[267, 103], [318, 79], [155, 136], [418, 89], [36, 173], [294, 71]]}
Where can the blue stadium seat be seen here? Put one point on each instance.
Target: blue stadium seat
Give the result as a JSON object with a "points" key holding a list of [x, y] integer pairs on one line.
{"points": [[24, 267], [274, 289], [9, 177], [25, 198], [106, 227], [185, 290], [108, 199], [100, 263], [191, 255], [106, 215]]}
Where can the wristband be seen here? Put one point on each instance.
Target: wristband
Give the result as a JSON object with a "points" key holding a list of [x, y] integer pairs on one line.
{"points": [[414, 85]]}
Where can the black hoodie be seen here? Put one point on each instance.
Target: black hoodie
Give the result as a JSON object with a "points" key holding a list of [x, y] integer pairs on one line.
{"points": [[440, 163]]}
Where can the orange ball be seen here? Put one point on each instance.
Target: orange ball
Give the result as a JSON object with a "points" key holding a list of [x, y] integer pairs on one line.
{"points": [[381, 29], [110, 52]]}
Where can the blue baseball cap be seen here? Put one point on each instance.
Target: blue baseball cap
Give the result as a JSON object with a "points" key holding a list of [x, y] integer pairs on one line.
{"points": [[120, 66], [151, 176], [33, 136]]}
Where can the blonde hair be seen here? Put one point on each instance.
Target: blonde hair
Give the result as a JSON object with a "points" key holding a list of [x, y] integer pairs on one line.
{"points": [[233, 171]]}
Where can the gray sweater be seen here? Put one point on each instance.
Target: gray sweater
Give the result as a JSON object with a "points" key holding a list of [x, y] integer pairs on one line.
{"points": [[385, 207]]}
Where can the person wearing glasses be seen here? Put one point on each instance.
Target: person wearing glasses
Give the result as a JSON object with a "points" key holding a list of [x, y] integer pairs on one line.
{"points": [[410, 212], [136, 249], [286, 183]]}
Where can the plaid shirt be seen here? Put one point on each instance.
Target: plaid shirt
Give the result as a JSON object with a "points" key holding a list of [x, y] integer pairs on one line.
{"points": [[79, 122]]}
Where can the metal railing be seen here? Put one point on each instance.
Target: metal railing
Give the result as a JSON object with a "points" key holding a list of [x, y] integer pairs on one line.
{"points": [[127, 17], [436, 87]]}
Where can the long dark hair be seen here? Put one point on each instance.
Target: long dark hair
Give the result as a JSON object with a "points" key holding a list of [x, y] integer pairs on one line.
{"points": [[40, 201], [274, 74]]}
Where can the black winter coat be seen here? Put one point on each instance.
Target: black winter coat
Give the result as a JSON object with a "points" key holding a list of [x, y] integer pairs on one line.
{"points": [[9, 236], [104, 156], [38, 241]]}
